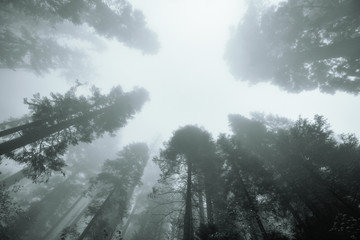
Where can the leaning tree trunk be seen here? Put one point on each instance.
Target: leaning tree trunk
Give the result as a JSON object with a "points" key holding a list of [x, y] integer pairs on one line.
{"points": [[339, 201], [62, 218], [14, 178], [96, 217], [249, 199], [253, 208], [23, 127], [188, 221], [38, 134]]}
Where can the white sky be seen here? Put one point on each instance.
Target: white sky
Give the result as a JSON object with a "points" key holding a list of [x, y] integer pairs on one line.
{"points": [[188, 79]]}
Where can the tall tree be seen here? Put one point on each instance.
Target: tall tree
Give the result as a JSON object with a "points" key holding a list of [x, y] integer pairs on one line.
{"points": [[299, 46], [242, 173], [302, 162], [188, 148], [57, 200], [119, 177], [67, 120]]}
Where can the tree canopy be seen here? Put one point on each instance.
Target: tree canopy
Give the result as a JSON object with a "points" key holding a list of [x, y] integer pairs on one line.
{"points": [[64, 120], [299, 46], [42, 36]]}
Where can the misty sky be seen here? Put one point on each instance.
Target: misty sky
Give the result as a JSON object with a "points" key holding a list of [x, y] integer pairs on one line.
{"points": [[188, 79]]}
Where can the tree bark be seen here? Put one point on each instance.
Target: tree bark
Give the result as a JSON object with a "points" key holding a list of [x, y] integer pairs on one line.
{"points": [[129, 219], [249, 199], [95, 218], [201, 208], [188, 221], [36, 123], [253, 208], [22, 127], [209, 207]]}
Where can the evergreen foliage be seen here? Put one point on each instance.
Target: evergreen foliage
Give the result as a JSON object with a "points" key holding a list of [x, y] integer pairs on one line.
{"points": [[299, 46], [40, 36], [65, 120]]}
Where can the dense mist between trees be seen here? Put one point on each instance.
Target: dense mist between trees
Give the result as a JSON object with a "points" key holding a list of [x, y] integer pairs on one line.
{"points": [[175, 155]]}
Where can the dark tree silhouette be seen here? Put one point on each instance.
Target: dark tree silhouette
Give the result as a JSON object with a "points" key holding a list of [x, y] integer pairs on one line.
{"points": [[299, 46], [121, 176], [190, 147], [67, 120]]}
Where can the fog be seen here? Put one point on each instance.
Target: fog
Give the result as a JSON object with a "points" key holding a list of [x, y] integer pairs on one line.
{"points": [[239, 118]]}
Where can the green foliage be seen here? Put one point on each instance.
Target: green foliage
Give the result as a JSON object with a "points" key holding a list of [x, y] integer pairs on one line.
{"points": [[299, 46]]}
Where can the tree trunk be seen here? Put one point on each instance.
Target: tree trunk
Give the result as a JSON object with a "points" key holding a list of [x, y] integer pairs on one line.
{"points": [[14, 178], [22, 127], [249, 199], [188, 221], [253, 230], [128, 221], [253, 208], [36, 135], [209, 207], [46, 236], [201, 208], [36, 123], [97, 215], [14, 122]]}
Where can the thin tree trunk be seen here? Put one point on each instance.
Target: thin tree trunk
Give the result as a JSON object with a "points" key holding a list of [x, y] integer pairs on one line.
{"points": [[346, 206], [253, 208], [201, 208], [286, 202], [188, 222], [304, 193], [209, 207], [249, 200]]}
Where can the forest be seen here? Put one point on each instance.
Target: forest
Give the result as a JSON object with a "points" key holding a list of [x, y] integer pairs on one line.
{"points": [[83, 158]]}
